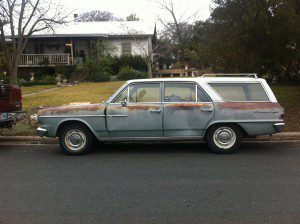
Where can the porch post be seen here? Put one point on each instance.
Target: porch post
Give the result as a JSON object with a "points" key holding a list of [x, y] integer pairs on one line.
{"points": [[72, 52]]}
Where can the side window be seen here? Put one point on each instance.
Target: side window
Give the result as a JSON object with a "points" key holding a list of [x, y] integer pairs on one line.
{"points": [[201, 97], [240, 91], [144, 93], [121, 97], [180, 92]]}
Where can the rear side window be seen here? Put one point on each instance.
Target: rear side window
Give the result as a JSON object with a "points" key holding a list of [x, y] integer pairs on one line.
{"points": [[240, 91]]}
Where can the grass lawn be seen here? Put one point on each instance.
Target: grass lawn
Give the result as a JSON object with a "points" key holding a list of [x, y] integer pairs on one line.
{"points": [[36, 89], [287, 95]]}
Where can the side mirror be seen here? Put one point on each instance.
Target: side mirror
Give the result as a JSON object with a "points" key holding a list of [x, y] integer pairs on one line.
{"points": [[124, 103]]}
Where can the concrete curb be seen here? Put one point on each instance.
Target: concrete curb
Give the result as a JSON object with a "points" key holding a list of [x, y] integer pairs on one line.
{"points": [[284, 136]]}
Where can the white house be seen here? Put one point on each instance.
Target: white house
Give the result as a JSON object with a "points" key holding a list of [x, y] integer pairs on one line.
{"points": [[71, 43]]}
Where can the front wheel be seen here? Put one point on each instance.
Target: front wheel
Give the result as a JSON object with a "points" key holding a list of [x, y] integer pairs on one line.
{"points": [[224, 139], [75, 139]]}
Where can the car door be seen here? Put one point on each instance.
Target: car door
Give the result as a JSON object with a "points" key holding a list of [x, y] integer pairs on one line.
{"points": [[136, 112], [187, 109]]}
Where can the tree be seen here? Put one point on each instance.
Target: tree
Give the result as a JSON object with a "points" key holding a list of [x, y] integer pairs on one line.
{"points": [[177, 30], [19, 19], [259, 36], [96, 15], [132, 17]]}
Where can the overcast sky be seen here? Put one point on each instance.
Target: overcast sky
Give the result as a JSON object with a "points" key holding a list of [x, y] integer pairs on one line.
{"points": [[146, 10]]}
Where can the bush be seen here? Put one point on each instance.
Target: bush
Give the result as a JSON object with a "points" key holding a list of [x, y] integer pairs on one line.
{"points": [[127, 73], [98, 70], [113, 78], [65, 71], [136, 62]]}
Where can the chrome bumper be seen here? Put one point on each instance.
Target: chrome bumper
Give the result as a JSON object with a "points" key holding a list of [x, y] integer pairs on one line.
{"points": [[42, 132], [279, 127]]}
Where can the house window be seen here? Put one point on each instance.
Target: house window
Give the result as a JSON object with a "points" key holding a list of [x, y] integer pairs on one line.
{"points": [[126, 48]]}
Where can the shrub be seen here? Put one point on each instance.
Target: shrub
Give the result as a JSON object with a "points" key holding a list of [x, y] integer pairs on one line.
{"points": [[136, 62], [113, 78], [65, 71], [127, 73], [98, 70]]}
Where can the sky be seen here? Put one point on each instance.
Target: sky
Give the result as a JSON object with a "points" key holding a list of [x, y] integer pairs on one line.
{"points": [[147, 10]]}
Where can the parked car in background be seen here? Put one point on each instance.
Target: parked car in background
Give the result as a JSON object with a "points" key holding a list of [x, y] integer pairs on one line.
{"points": [[220, 110], [10, 104]]}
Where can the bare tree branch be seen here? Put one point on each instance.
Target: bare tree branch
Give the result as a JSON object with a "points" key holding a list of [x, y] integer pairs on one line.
{"points": [[30, 16]]}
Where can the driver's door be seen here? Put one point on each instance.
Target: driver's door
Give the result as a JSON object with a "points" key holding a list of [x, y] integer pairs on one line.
{"points": [[136, 112]]}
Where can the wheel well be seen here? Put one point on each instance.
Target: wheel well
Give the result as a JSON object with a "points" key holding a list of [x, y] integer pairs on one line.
{"points": [[244, 133], [66, 123]]}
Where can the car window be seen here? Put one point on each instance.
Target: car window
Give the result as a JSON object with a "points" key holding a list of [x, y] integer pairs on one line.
{"points": [[240, 91], [121, 97], [201, 97], [180, 92], [144, 92]]}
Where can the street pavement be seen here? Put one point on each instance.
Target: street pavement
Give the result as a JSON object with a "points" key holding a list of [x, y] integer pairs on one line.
{"points": [[151, 183]]}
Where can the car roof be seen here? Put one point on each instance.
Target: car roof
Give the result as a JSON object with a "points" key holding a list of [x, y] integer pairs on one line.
{"points": [[199, 79]]}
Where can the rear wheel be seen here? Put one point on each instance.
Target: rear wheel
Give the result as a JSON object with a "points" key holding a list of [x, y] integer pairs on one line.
{"points": [[75, 139], [224, 138]]}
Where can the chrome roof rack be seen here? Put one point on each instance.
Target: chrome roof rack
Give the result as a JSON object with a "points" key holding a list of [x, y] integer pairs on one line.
{"points": [[253, 75]]}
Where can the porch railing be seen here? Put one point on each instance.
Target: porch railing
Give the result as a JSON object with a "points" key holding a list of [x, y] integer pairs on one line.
{"points": [[44, 59]]}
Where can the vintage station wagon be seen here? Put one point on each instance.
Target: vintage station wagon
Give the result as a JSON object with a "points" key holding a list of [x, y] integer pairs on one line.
{"points": [[219, 109]]}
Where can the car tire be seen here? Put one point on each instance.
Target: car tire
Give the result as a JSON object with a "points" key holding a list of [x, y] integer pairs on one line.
{"points": [[76, 139], [224, 138]]}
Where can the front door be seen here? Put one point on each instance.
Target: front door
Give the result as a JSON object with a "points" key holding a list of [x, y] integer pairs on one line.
{"points": [[187, 109], [136, 112]]}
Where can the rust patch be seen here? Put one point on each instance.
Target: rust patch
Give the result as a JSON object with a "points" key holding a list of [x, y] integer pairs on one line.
{"points": [[137, 107], [248, 106], [186, 106], [72, 109], [142, 107]]}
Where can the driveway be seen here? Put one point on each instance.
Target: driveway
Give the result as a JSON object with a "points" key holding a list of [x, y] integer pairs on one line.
{"points": [[151, 183]]}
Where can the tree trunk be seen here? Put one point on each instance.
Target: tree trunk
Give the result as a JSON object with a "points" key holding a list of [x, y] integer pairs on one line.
{"points": [[14, 75], [149, 65]]}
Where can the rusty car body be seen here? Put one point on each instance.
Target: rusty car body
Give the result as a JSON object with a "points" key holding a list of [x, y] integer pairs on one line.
{"points": [[220, 110]]}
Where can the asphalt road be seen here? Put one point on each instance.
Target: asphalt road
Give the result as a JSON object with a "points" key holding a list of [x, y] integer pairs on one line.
{"points": [[179, 183]]}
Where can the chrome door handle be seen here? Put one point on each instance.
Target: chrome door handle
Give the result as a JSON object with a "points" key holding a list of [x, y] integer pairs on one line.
{"points": [[155, 111], [206, 110]]}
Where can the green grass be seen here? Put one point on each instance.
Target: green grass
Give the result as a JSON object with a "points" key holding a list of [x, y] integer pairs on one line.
{"points": [[287, 95], [289, 98], [36, 89]]}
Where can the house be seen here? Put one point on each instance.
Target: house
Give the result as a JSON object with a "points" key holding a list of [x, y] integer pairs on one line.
{"points": [[71, 43]]}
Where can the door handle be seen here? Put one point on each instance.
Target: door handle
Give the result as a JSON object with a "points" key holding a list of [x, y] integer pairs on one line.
{"points": [[155, 111], [206, 110]]}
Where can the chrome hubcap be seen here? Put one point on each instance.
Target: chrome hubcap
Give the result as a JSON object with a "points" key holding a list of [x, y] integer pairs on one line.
{"points": [[75, 140], [224, 137]]}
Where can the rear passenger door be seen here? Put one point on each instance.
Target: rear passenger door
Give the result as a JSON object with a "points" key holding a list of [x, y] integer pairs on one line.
{"points": [[187, 109]]}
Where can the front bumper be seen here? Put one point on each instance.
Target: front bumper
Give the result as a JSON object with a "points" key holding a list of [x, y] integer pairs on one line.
{"points": [[279, 127], [7, 119], [41, 132]]}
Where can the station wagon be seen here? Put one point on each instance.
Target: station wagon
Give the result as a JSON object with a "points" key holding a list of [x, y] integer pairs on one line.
{"points": [[218, 109]]}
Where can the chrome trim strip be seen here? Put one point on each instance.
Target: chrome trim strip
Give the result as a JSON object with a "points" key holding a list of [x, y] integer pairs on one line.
{"points": [[70, 116], [250, 121], [116, 115], [124, 139]]}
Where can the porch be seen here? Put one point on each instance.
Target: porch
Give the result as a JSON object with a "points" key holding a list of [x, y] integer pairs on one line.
{"points": [[38, 60]]}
